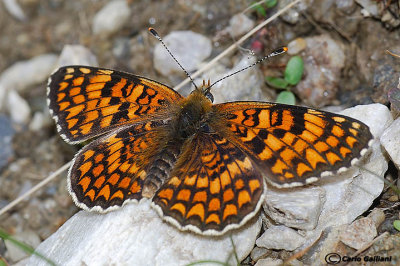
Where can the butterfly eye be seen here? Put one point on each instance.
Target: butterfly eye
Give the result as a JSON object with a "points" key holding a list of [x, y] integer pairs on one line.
{"points": [[210, 96]]}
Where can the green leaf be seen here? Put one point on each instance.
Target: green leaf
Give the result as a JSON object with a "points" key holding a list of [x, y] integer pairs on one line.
{"points": [[277, 83], [294, 70], [260, 9], [2, 262], [396, 224], [286, 97], [270, 3]]}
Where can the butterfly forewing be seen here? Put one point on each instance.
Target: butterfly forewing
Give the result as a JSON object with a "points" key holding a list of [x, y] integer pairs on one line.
{"points": [[87, 101], [294, 145]]}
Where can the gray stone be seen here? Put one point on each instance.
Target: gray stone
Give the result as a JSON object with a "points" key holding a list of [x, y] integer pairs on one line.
{"points": [[243, 86], [189, 48], [324, 59], [359, 233], [15, 253], [34, 71], [391, 142], [14, 9], [6, 134], [298, 208], [76, 55], [280, 237], [240, 24], [18, 108], [269, 262], [111, 18]]}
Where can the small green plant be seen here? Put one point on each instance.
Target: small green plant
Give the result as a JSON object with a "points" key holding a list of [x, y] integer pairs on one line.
{"points": [[261, 6], [396, 224], [26, 248], [292, 76]]}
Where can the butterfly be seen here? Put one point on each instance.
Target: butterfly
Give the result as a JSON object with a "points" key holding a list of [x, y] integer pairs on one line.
{"points": [[204, 165]]}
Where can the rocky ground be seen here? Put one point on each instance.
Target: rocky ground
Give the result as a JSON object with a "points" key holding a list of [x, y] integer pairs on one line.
{"points": [[343, 45]]}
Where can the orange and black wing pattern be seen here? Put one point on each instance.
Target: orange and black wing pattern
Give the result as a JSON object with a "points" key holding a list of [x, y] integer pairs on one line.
{"points": [[294, 145], [88, 101], [114, 169], [214, 187]]}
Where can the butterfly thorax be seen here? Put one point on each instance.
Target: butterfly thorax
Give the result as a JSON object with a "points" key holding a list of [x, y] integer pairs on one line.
{"points": [[194, 114]]}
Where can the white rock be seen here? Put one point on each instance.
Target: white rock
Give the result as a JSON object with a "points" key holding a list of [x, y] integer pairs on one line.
{"points": [[240, 24], [188, 47], [111, 18], [243, 86], [23, 74], [359, 233], [297, 208], [76, 55], [269, 262], [136, 235], [280, 237], [18, 108], [391, 142]]}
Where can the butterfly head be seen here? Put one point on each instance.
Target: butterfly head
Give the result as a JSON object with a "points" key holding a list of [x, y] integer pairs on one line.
{"points": [[205, 89]]}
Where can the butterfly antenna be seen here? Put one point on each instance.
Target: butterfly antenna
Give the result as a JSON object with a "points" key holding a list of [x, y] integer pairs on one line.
{"points": [[155, 34], [278, 51]]}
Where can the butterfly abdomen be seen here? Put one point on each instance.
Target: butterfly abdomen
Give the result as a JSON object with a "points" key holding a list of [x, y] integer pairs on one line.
{"points": [[160, 169]]}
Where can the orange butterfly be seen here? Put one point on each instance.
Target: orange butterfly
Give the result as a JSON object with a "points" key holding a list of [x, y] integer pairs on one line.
{"points": [[203, 164]]}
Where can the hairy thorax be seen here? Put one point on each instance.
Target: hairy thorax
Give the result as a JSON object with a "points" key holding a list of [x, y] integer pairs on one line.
{"points": [[193, 117]]}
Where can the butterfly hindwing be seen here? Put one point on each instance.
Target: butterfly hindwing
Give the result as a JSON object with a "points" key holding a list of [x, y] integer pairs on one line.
{"points": [[294, 145], [212, 188], [88, 101]]}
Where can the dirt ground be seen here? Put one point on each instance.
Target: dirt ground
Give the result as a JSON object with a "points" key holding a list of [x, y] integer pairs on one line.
{"points": [[366, 77]]}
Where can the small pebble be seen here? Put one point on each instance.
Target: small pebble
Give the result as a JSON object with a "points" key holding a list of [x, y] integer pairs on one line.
{"points": [[377, 216], [76, 55], [393, 198], [359, 233], [39, 121], [324, 59], [280, 237], [391, 142], [240, 24], [34, 71], [296, 46], [18, 108], [111, 18], [269, 262], [14, 9], [259, 252], [189, 48], [6, 134], [15, 253]]}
